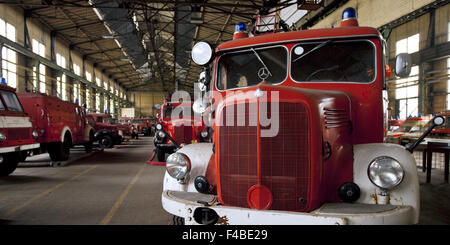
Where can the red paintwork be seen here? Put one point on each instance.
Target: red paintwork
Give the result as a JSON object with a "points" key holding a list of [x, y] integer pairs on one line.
{"points": [[105, 121], [183, 130], [140, 123], [358, 105], [53, 115], [14, 136]]}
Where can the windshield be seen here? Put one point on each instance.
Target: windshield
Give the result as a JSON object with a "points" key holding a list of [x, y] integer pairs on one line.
{"points": [[337, 61], [2, 107], [250, 67], [11, 101]]}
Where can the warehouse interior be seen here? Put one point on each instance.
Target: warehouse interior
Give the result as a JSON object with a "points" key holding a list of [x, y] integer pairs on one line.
{"points": [[124, 58]]}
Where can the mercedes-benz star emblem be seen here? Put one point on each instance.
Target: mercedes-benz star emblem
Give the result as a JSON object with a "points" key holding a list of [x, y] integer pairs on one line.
{"points": [[263, 73]]}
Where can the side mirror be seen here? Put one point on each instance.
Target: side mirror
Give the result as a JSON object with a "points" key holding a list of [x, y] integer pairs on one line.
{"points": [[403, 65]]}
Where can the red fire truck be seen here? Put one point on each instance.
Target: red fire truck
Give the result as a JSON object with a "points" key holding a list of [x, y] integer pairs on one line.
{"points": [[107, 132], [16, 132], [143, 125], [320, 159], [59, 124], [177, 128]]}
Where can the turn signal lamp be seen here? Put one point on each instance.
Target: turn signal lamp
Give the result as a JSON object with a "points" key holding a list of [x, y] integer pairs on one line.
{"points": [[388, 71], [240, 30], [349, 17]]}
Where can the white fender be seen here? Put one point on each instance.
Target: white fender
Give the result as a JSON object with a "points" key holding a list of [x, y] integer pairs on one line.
{"points": [[407, 193], [63, 132], [199, 154], [86, 131]]}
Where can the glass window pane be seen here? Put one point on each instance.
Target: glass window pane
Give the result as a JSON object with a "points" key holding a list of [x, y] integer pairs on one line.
{"points": [[413, 43], [11, 101], [412, 108], [401, 46], [2, 28]]}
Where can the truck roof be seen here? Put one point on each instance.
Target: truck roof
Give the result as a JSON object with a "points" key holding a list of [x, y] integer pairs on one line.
{"points": [[45, 97], [303, 35], [6, 87]]}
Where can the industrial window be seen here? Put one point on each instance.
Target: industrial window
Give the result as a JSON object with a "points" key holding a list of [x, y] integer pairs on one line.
{"points": [[39, 82], [448, 71], [61, 81], [407, 89], [98, 81], [76, 85], [97, 102], [9, 57], [111, 106], [39, 48], [88, 91]]}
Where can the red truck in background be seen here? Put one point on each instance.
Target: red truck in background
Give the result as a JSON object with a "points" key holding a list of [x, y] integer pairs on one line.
{"points": [[16, 131], [174, 130], [59, 124], [107, 132], [143, 125]]}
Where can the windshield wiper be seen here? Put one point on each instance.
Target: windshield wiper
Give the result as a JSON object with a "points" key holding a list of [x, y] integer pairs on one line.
{"points": [[314, 49], [262, 62]]}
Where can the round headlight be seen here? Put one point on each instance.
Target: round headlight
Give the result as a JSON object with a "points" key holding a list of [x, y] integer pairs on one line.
{"points": [[2, 137], [159, 126], [35, 134], [202, 53], [204, 134], [161, 134], [385, 172], [178, 165]]}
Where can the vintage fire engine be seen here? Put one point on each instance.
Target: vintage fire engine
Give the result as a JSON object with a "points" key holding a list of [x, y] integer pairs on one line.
{"points": [[326, 163], [107, 132], [174, 130], [17, 136], [143, 125], [59, 124]]}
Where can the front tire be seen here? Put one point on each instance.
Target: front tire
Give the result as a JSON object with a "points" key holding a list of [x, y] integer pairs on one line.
{"points": [[8, 164], [105, 141], [60, 151]]}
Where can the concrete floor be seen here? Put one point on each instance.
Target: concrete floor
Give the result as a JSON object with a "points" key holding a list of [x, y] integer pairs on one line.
{"points": [[116, 186]]}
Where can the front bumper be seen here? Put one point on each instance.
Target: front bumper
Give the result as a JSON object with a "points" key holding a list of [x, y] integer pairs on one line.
{"points": [[19, 148], [184, 204]]}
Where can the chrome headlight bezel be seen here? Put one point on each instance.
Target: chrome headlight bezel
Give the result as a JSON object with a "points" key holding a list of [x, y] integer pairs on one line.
{"points": [[178, 165], [161, 134], [385, 172], [204, 134], [35, 134], [159, 126], [2, 137]]}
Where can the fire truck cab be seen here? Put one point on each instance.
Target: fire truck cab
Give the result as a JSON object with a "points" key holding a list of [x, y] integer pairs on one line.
{"points": [[298, 127], [16, 132], [59, 124], [177, 128], [107, 132]]}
